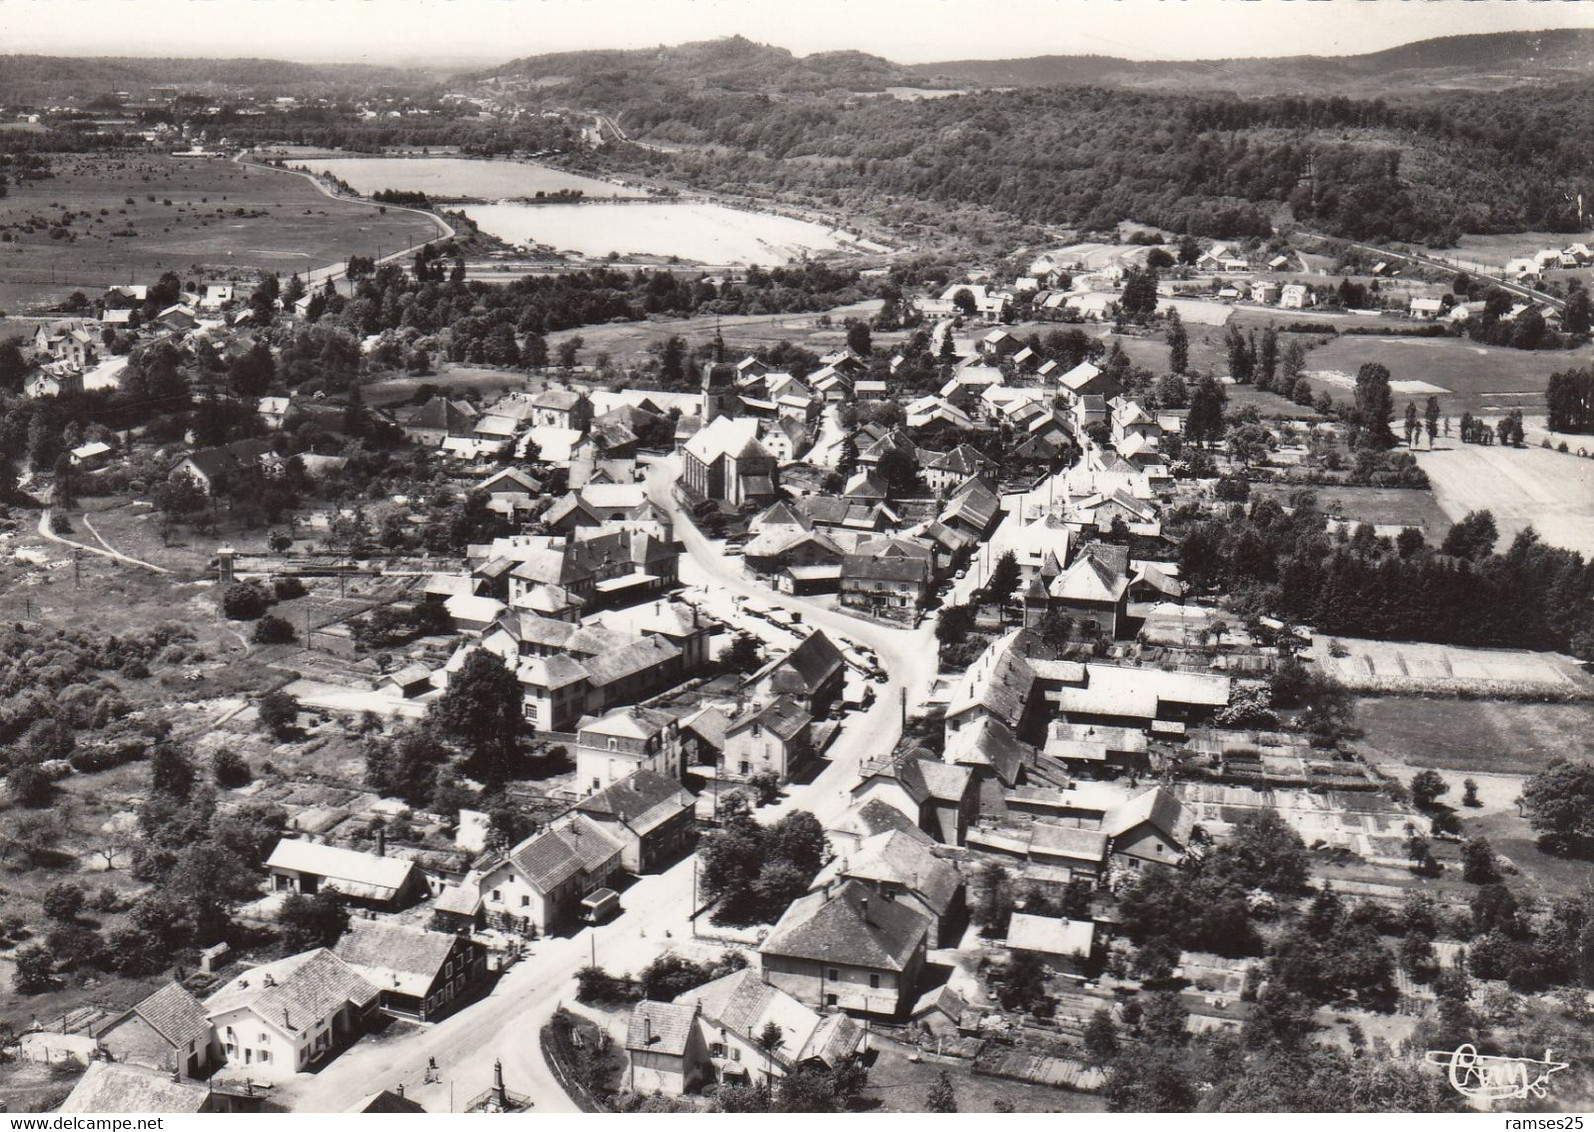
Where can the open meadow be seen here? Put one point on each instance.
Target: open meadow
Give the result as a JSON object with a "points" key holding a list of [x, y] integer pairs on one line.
{"points": [[627, 342], [202, 218], [1551, 491], [1469, 736], [1378, 506], [1466, 377]]}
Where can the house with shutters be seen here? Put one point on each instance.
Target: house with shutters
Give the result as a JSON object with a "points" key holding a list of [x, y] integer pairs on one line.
{"points": [[624, 741], [537, 887], [846, 948], [419, 974], [774, 739], [291, 1015], [652, 817], [717, 1030]]}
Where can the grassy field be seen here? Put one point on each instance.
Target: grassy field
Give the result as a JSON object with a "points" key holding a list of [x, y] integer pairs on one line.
{"points": [[627, 342], [201, 218], [1376, 505], [899, 1085], [1552, 491], [1396, 667], [1470, 378], [1470, 736]]}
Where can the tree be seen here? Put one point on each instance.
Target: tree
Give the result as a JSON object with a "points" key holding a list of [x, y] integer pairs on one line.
{"points": [[308, 922], [270, 630], [954, 623], [1473, 536], [1205, 422], [230, 769], [1427, 786], [1469, 793], [1021, 984], [481, 712], [769, 1039], [1267, 358], [1264, 852], [1101, 1037], [744, 654], [1375, 406], [33, 969], [1005, 578], [1559, 802], [243, 601], [1139, 299], [1431, 419], [279, 714], [1477, 862], [942, 1098], [859, 340], [62, 902], [963, 299], [1576, 318]]}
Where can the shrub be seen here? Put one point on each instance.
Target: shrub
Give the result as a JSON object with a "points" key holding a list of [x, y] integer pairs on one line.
{"points": [[243, 602], [287, 589], [231, 769], [271, 630], [279, 713]]}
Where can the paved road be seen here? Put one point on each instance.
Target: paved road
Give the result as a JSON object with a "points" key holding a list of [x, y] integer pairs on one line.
{"points": [[1444, 265], [506, 1024]]}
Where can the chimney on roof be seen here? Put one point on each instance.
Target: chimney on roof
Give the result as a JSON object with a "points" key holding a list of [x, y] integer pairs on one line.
{"points": [[647, 1030], [271, 981], [864, 907], [285, 1020], [381, 841], [400, 1090]]}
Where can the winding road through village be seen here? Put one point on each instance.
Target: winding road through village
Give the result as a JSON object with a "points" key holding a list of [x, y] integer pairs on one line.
{"points": [[505, 1025]]}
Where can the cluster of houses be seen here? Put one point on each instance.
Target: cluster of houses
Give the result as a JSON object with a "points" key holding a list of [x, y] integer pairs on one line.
{"points": [[1549, 259]]}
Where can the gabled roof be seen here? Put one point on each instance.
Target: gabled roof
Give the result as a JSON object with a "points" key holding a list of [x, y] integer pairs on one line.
{"points": [[784, 717], [744, 1004], [736, 437], [660, 1027], [988, 742], [1049, 936], [1090, 580], [999, 681], [850, 924], [550, 858], [642, 800], [805, 669], [296, 992], [441, 413], [876, 816], [131, 1088], [349, 871], [630, 723], [894, 858], [1157, 806], [395, 956], [173, 1013]]}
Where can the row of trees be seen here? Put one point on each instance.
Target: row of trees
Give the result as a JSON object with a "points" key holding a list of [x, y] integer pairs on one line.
{"points": [[1286, 564]]}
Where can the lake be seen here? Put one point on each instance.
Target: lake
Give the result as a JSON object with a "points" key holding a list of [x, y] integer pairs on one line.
{"points": [[705, 233], [694, 231], [459, 177]]}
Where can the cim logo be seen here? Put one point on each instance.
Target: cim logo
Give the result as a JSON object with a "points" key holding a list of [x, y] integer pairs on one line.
{"points": [[1490, 1078]]}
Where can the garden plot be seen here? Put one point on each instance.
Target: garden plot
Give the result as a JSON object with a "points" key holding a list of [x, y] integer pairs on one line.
{"points": [[1406, 666]]}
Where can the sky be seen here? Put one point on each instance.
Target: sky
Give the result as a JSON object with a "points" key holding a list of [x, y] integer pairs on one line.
{"points": [[906, 31]]}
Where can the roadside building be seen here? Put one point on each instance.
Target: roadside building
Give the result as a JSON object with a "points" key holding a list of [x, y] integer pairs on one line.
{"points": [[651, 816], [419, 974], [309, 867], [847, 949]]}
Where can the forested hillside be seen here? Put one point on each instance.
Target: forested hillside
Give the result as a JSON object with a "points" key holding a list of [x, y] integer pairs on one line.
{"points": [[1458, 62], [1422, 172], [733, 64]]}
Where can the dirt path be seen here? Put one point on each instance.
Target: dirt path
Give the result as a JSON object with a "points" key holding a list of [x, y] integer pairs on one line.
{"points": [[107, 552]]}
